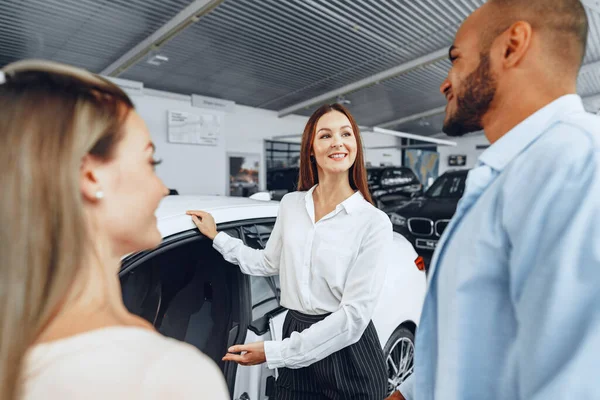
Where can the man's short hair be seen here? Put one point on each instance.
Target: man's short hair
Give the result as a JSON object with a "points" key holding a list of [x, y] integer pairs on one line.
{"points": [[563, 21]]}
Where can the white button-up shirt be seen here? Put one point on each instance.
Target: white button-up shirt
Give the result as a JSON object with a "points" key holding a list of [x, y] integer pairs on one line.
{"points": [[336, 265]]}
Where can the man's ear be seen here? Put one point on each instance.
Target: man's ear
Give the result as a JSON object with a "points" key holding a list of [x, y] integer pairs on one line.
{"points": [[516, 42], [91, 190]]}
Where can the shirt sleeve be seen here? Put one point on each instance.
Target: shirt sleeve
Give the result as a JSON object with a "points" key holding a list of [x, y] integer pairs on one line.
{"points": [[253, 261], [346, 325], [555, 280], [407, 388], [184, 373]]}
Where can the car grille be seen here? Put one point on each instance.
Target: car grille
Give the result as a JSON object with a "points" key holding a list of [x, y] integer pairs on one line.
{"points": [[420, 226], [440, 226]]}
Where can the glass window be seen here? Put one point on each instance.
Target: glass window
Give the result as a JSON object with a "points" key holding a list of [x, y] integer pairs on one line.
{"points": [[401, 176], [373, 175], [265, 290], [447, 186], [397, 177], [257, 235]]}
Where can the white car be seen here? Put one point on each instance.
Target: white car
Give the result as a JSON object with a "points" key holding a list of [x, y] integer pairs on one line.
{"points": [[186, 289]]}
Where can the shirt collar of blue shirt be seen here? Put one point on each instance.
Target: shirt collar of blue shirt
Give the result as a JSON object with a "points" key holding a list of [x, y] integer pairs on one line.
{"points": [[351, 204], [509, 146]]}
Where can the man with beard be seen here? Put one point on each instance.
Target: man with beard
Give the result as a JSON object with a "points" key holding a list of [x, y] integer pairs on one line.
{"points": [[513, 303]]}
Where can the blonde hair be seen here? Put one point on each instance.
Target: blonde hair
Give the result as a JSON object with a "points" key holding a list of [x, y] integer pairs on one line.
{"points": [[51, 117]]}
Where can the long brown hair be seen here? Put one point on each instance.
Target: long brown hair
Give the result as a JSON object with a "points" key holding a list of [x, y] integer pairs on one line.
{"points": [[51, 117], [308, 176]]}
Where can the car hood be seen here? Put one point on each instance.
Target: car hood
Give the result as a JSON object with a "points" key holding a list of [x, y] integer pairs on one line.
{"points": [[426, 207]]}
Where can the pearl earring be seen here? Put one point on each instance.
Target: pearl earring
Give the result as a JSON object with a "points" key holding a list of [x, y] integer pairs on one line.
{"points": [[99, 194]]}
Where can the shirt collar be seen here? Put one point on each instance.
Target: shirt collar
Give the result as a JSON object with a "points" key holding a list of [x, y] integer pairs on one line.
{"points": [[503, 151], [351, 204]]}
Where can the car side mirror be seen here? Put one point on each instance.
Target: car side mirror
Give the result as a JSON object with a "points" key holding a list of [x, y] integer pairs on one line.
{"points": [[262, 196]]}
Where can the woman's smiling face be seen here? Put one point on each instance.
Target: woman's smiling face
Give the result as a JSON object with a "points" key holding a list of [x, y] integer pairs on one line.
{"points": [[334, 144]]}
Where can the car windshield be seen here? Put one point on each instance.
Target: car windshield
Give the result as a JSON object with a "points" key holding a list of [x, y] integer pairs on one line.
{"points": [[447, 186], [373, 175]]}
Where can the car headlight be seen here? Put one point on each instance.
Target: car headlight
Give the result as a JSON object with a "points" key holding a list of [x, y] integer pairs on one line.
{"points": [[397, 219]]}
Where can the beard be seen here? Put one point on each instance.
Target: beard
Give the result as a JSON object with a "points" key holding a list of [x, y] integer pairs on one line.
{"points": [[473, 102]]}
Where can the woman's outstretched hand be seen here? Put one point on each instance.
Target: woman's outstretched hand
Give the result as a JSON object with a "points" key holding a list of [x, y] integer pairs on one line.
{"points": [[250, 354], [205, 223]]}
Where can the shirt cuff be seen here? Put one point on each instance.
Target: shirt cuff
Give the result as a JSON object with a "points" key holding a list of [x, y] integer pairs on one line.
{"points": [[273, 354], [407, 388], [219, 241]]}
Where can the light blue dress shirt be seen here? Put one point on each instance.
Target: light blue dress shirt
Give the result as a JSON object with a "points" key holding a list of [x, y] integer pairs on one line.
{"points": [[513, 303]]}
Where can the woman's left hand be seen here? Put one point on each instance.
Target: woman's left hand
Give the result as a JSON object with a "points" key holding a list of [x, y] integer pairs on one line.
{"points": [[251, 354]]}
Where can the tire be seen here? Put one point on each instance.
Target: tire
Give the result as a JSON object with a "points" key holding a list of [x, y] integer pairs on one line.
{"points": [[399, 357]]}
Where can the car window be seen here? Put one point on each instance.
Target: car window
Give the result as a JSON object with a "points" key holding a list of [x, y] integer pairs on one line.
{"points": [[257, 235], [265, 290], [373, 176], [447, 186], [397, 176], [402, 176], [408, 174], [456, 187]]}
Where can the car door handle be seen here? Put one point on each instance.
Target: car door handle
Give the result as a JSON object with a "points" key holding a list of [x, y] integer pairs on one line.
{"points": [[233, 333]]}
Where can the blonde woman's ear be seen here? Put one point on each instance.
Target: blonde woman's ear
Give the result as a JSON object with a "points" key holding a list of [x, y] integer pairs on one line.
{"points": [[89, 186]]}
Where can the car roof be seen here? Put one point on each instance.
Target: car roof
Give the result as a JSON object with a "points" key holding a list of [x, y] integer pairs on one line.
{"points": [[172, 218], [386, 167], [178, 205], [457, 172], [278, 169]]}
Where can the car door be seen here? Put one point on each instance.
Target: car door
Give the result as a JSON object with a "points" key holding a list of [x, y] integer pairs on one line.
{"points": [[190, 293], [257, 382]]}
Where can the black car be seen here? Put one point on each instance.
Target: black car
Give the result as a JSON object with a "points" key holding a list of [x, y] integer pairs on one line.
{"points": [[281, 181], [423, 220], [391, 185], [388, 185]]}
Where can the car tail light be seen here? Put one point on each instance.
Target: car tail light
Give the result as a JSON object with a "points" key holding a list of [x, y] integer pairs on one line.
{"points": [[420, 263]]}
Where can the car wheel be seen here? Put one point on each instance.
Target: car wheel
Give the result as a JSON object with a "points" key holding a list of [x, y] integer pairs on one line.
{"points": [[399, 357]]}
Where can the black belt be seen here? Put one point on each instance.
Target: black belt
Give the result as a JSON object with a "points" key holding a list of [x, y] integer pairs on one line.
{"points": [[306, 318]]}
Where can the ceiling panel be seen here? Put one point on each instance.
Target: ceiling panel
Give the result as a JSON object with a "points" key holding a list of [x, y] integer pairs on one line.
{"points": [[86, 33], [275, 53]]}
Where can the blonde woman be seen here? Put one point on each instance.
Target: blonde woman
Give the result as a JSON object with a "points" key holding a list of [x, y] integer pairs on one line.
{"points": [[78, 192]]}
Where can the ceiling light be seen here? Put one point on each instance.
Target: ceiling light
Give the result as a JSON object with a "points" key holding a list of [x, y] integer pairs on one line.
{"points": [[157, 60], [343, 101]]}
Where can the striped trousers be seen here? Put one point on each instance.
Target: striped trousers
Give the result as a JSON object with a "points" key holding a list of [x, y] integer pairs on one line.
{"points": [[356, 372]]}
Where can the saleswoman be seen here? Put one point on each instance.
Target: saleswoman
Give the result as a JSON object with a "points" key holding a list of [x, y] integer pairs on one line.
{"points": [[329, 246]]}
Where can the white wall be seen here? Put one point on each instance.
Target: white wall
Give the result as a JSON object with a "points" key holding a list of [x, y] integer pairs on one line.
{"points": [[376, 157], [196, 169], [379, 157], [246, 130], [465, 146]]}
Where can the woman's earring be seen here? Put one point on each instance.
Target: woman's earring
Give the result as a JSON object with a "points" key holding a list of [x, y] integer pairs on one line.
{"points": [[99, 194]]}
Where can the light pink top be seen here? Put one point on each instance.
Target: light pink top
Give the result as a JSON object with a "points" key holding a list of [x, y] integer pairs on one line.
{"points": [[121, 363]]}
